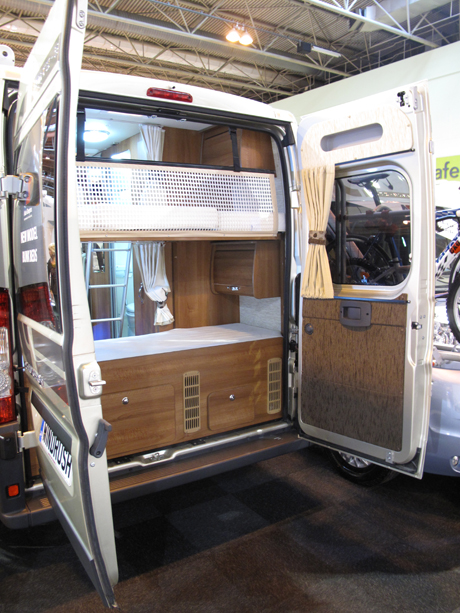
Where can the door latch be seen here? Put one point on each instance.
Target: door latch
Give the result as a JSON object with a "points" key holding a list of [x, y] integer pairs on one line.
{"points": [[90, 380], [100, 440], [416, 325]]}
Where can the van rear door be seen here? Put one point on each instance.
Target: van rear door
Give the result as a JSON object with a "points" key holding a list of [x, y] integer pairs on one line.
{"points": [[56, 340], [368, 281]]}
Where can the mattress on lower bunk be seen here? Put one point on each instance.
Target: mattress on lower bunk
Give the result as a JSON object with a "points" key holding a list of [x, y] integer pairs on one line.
{"points": [[179, 339]]}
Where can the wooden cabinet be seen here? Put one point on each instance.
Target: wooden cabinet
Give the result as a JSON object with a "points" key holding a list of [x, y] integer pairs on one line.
{"points": [[246, 268], [145, 401]]}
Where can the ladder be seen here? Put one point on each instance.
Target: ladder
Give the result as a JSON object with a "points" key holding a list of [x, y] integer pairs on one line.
{"points": [[89, 259]]}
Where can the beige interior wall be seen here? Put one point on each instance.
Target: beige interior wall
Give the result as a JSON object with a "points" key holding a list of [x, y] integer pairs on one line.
{"points": [[440, 67]]}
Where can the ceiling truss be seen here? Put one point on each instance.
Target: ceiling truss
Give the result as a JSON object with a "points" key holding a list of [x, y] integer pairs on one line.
{"points": [[184, 41]]}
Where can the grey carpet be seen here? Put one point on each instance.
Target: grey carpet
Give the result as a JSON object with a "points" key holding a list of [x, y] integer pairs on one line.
{"points": [[286, 535]]}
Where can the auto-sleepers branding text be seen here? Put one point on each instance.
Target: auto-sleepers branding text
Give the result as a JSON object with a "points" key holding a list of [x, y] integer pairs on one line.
{"points": [[57, 452]]}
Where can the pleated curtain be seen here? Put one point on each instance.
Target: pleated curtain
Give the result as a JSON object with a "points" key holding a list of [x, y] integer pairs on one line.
{"points": [[317, 184], [150, 258], [154, 138]]}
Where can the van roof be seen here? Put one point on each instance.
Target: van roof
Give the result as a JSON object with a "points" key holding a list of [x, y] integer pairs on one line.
{"points": [[136, 87]]}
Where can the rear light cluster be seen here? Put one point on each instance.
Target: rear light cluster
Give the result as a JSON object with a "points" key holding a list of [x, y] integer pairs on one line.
{"points": [[169, 94], [7, 408], [36, 304]]}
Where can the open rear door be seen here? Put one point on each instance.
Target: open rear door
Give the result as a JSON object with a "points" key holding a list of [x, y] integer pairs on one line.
{"points": [[63, 378], [367, 336]]}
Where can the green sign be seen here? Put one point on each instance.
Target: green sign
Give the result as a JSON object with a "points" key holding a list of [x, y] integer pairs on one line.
{"points": [[448, 168]]}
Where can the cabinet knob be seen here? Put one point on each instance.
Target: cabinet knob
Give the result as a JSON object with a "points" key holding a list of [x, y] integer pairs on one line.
{"points": [[232, 397], [125, 400]]}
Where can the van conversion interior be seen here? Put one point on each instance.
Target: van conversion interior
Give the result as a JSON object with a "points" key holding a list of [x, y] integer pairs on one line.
{"points": [[182, 225]]}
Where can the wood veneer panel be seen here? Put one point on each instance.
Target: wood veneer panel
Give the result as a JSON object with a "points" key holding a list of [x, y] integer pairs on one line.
{"points": [[182, 146], [353, 380], [147, 421], [217, 147], [256, 150], [230, 408], [194, 303], [251, 266], [224, 368], [383, 313]]}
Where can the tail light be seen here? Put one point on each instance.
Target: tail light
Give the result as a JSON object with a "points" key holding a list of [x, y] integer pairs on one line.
{"points": [[36, 304], [7, 408]]}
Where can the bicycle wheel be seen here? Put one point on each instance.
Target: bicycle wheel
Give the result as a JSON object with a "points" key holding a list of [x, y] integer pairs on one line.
{"points": [[454, 269], [453, 307]]}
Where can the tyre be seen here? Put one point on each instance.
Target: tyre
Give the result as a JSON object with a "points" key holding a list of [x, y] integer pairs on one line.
{"points": [[454, 269], [453, 307], [358, 470]]}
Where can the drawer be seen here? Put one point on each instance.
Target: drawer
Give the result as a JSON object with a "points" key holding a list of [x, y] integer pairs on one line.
{"points": [[145, 422], [231, 408]]}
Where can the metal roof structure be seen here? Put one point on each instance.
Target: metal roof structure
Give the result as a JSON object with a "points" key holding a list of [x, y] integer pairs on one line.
{"points": [[297, 44]]}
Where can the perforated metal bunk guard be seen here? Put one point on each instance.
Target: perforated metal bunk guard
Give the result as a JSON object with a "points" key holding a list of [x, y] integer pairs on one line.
{"points": [[116, 197]]}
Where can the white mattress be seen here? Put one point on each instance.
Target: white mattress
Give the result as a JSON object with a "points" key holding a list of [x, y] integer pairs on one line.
{"points": [[179, 339]]}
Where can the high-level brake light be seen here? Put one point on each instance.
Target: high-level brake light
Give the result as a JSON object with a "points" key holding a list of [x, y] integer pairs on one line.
{"points": [[169, 94], [7, 409]]}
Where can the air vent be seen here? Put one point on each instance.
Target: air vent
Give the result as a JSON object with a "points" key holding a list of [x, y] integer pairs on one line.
{"points": [[191, 401], [274, 385]]}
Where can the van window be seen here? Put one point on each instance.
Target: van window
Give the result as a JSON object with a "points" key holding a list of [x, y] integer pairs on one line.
{"points": [[369, 238], [38, 274], [121, 136]]}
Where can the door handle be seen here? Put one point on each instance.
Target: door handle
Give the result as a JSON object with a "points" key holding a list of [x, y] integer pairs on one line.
{"points": [[355, 313]]}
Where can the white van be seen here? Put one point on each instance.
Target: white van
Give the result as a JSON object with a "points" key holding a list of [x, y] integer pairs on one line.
{"points": [[163, 329]]}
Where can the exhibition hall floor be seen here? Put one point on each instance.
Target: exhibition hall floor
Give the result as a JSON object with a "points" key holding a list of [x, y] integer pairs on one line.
{"points": [[285, 535]]}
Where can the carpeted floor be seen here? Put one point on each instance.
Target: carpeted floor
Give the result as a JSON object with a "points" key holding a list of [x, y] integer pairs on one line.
{"points": [[286, 535]]}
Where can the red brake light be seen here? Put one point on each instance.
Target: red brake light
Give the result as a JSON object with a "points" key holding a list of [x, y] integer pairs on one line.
{"points": [[36, 304], [169, 94], [7, 408]]}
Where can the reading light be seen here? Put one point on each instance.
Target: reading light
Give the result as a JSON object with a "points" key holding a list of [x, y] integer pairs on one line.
{"points": [[233, 36]]}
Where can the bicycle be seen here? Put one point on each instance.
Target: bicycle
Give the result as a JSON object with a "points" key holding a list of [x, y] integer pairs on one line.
{"points": [[450, 256], [376, 260]]}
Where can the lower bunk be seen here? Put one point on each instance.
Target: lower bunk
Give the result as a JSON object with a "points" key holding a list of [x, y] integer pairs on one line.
{"points": [[184, 384]]}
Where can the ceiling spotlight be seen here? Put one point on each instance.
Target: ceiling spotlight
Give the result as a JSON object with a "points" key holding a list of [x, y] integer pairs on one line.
{"points": [[246, 39], [95, 136], [326, 51], [233, 36], [239, 34]]}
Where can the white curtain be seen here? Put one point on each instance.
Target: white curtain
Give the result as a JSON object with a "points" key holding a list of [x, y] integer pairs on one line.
{"points": [[318, 184], [150, 258], [154, 138]]}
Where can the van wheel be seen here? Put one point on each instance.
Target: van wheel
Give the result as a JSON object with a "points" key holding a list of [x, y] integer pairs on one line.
{"points": [[358, 470]]}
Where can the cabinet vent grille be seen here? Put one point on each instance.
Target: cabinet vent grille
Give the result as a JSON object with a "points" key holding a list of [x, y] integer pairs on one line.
{"points": [[192, 421], [274, 385]]}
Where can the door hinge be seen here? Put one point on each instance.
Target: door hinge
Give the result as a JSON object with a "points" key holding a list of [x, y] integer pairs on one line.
{"points": [[416, 325], [12, 185], [390, 458], [27, 440]]}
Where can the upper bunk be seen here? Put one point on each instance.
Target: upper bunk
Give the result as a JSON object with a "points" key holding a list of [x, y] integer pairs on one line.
{"points": [[150, 177]]}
